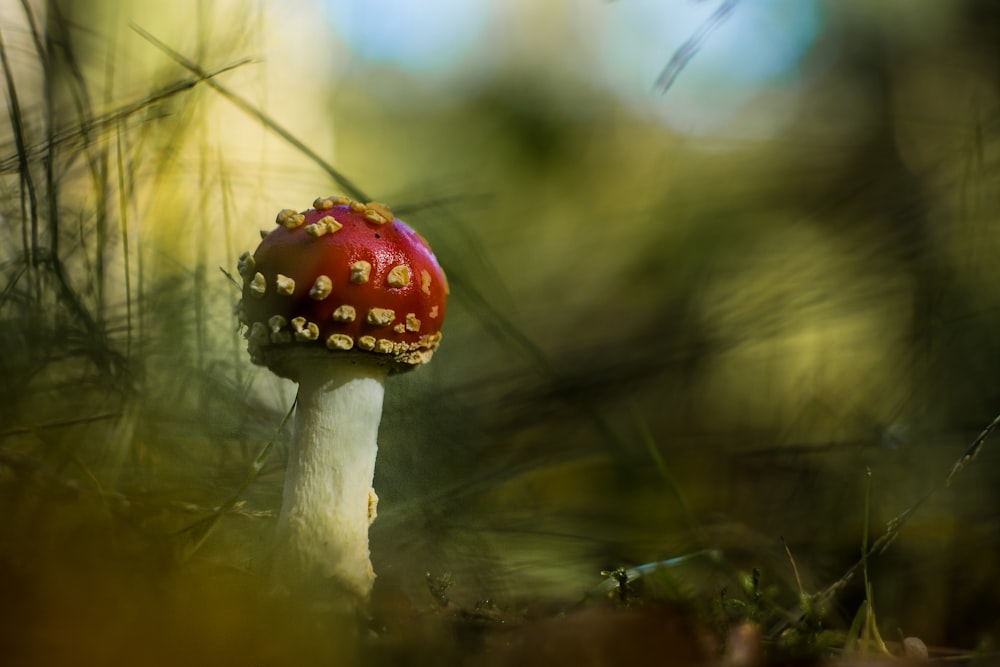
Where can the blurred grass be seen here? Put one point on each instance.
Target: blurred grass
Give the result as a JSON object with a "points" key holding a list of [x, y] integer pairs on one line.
{"points": [[655, 345]]}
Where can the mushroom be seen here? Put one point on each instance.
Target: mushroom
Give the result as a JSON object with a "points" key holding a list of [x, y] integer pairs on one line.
{"points": [[336, 298]]}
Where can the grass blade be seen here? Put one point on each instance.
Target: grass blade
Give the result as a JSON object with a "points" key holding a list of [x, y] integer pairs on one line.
{"points": [[242, 104]]}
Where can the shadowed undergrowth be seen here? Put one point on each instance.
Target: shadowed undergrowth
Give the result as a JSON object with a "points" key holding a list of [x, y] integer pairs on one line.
{"points": [[705, 366]]}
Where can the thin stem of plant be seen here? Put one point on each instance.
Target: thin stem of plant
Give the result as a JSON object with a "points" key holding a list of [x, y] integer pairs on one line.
{"points": [[245, 106], [895, 525], [203, 528]]}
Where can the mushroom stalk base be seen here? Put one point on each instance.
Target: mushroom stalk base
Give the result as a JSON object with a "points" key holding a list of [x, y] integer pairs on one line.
{"points": [[329, 502]]}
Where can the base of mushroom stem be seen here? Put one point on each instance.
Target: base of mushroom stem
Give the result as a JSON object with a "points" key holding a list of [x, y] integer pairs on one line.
{"points": [[321, 590], [327, 595]]}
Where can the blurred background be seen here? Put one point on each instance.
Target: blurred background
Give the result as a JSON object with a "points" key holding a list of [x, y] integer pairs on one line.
{"points": [[710, 263]]}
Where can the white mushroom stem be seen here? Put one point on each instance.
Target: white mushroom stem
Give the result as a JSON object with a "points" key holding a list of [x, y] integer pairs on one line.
{"points": [[329, 501]]}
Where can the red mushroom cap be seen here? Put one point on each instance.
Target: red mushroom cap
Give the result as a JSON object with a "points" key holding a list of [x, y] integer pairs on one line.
{"points": [[343, 277]]}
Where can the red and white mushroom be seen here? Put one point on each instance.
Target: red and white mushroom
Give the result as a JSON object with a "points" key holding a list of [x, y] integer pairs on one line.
{"points": [[336, 298]]}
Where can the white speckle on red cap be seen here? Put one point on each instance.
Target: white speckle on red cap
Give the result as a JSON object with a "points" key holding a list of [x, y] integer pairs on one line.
{"points": [[321, 288], [339, 342], [304, 330], [284, 284], [258, 285], [399, 276], [381, 316], [344, 313], [360, 270]]}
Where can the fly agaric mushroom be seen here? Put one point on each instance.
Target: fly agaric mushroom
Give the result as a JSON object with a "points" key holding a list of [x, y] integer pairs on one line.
{"points": [[336, 298]]}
